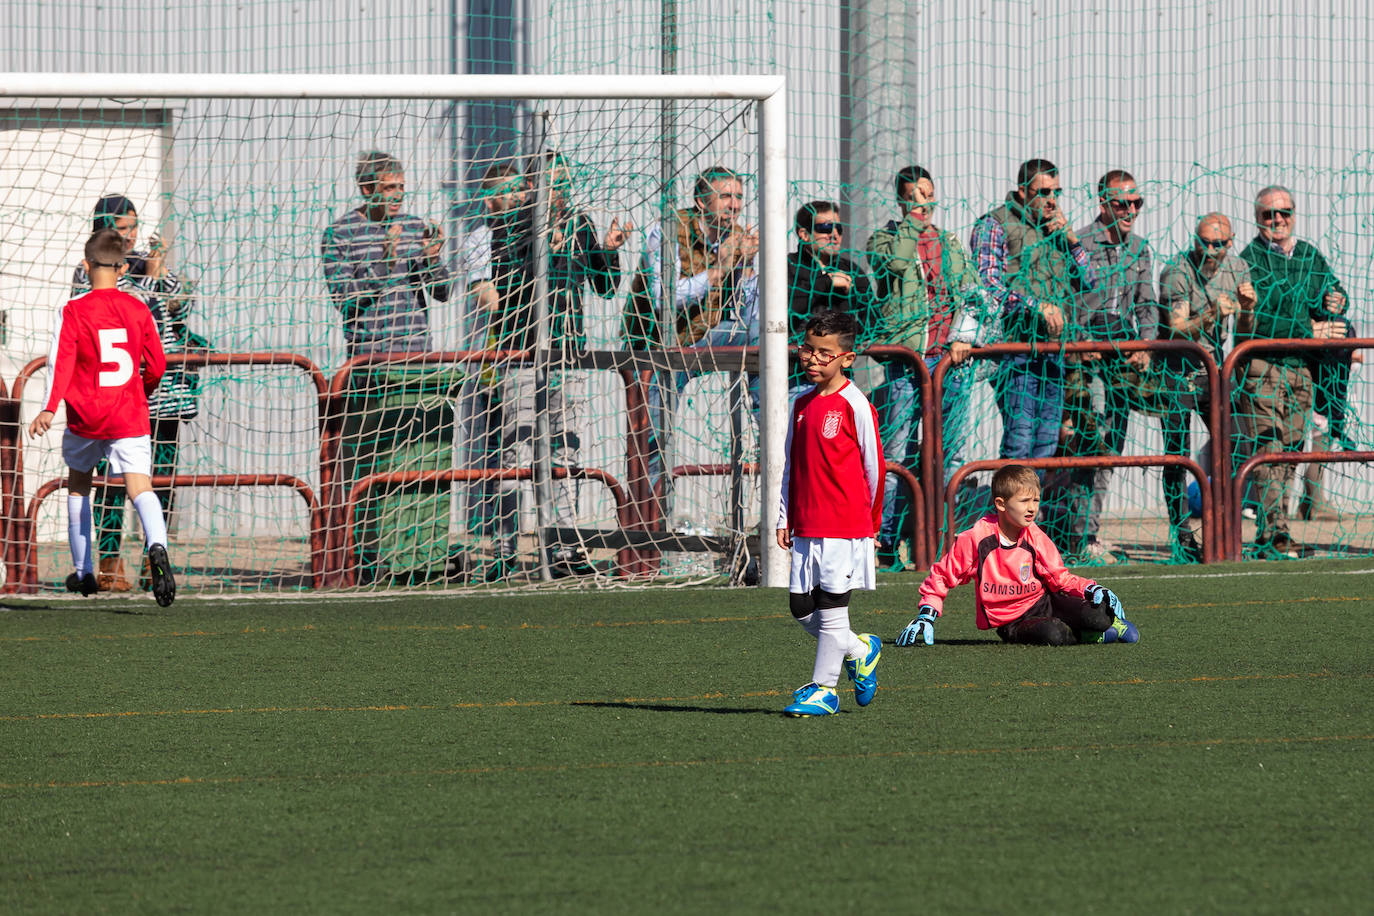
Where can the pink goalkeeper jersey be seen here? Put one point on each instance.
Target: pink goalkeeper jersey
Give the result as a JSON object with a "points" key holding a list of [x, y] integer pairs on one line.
{"points": [[106, 357], [832, 478], [1010, 580]]}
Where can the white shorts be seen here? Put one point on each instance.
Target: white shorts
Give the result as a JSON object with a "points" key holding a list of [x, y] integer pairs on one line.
{"points": [[835, 564], [127, 456]]}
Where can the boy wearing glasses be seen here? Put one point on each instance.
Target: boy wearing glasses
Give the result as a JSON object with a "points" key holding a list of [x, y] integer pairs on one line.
{"points": [[106, 356], [1201, 290], [1297, 296], [1122, 306], [830, 508]]}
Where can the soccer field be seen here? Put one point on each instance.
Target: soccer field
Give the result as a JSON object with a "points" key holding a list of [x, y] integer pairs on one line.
{"points": [[623, 752]]}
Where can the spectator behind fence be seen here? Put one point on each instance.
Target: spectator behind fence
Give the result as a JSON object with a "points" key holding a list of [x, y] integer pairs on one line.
{"points": [[821, 279], [1033, 265], [497, 259], [149, 279], [931, 302], [1121, 307], [382, 267], [1201, 290], [1330, 414], [1297, 296], [715, 291]]}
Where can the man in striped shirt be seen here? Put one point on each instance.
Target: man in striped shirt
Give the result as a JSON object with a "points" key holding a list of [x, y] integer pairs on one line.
{"points": [[383, 267]]}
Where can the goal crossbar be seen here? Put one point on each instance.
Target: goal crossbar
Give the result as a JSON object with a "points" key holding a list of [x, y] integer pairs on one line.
{"points": [[768, 91]]}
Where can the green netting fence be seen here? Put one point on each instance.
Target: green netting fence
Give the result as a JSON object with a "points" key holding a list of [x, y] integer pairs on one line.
{"points": [[1204, 105]]}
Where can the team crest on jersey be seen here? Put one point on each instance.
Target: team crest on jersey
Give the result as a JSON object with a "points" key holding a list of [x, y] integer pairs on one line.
{"points": [[830, 427], [1025, 572]]}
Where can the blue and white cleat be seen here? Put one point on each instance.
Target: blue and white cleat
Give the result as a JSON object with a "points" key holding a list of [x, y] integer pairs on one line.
{"points": [[864, 671], [813, 700], [1121, 630]]}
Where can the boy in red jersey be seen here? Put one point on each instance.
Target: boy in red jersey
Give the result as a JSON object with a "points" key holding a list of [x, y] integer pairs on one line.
{"points": [[106, 356], [831, 506], [1023, 588]]}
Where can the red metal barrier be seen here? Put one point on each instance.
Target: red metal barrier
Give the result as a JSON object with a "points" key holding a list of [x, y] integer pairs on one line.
{"points": [[1234, 545], [1209, 527], [331, 432], [418, 478], [16, 532], [24, 573], [919, 557], [1215, 486], [1243, 353], [929, 479]]}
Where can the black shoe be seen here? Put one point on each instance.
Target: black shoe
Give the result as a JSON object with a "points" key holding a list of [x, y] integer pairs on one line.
{"points": [[1186, 548], [573, 562], [499, 569], [164, 583], [1283, 544], [85, 585], [456, 568]]}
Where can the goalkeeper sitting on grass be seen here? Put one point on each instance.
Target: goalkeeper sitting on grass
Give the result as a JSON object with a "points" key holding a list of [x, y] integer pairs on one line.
{"points": [[1023, 588]]}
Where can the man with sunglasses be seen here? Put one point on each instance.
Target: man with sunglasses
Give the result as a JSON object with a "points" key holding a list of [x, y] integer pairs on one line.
{"points": [[1033, 265], [821, 279], [1201, 290], [1121, 307], [1297, 296], [932, 302]]}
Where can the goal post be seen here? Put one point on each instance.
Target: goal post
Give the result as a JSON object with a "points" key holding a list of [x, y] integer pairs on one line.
{"points": [[120, 92]]}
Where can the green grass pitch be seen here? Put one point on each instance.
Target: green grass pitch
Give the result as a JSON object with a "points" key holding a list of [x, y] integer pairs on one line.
{"points": [[623, 752]]}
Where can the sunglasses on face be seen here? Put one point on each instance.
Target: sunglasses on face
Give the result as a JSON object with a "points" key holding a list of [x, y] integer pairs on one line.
{"points": [[1215, 244], [1124, 203], [806, 352], [827, 228], [1270, 215], [1045, 192]]}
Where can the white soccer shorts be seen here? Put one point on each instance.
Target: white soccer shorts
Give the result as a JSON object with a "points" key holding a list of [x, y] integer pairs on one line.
{"points": [[127, 456], [835, 564]]}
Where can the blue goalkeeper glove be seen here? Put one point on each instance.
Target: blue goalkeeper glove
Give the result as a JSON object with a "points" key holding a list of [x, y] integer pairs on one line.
{"points": [[1097, 595], [920, 631]]}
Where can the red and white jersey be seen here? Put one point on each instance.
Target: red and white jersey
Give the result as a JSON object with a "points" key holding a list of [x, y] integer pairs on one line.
{"points": [[106, 356], [1009, 580], [832, 478]]}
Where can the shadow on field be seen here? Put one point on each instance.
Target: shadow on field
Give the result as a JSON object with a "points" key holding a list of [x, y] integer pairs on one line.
{"points": [[92, 607], [675, 707]]}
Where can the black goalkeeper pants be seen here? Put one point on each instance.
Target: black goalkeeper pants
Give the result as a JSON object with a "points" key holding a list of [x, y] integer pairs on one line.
{"points": [[1057, 619]]}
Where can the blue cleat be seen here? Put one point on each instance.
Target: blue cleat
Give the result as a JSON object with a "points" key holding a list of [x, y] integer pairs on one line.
{"points": [[1121, 630], [813, 700], [864, 671]]}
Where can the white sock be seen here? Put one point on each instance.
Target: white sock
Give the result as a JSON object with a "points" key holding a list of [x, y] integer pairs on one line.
{"points": [[811, 623], [835, 641], [149, 509], [79, 533]]}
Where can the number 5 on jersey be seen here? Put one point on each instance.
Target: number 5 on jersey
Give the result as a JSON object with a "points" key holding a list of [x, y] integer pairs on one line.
{"points": [[113, 351]]}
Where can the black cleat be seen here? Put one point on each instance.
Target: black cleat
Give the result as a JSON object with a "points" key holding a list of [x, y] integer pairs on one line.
{"points": [[164, 584], [84, 585]]}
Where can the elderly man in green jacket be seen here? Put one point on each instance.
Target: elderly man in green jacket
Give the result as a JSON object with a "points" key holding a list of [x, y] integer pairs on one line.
{"points": [[1297, 296]]}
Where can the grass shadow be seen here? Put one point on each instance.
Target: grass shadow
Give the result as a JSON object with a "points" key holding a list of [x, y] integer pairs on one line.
{"points": [[674, 707]]}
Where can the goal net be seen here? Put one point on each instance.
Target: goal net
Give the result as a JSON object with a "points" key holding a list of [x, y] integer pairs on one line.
{"points": [[407, 349]]}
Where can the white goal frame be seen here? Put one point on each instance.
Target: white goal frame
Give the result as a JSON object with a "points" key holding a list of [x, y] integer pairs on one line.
{"points": [[769, 92]]}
